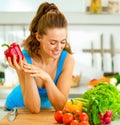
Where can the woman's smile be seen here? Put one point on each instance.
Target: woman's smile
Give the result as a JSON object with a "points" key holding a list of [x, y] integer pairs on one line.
{"points": [[56, 53]]}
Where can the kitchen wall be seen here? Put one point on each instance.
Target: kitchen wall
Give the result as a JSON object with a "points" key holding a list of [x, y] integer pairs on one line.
{"points": [[86, 31], [27, 5]]}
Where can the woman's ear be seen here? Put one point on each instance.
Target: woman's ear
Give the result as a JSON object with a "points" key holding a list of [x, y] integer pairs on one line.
{"points": [[38, 37]]}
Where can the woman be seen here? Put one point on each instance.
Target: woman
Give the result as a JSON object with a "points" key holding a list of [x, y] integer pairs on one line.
{"points": [[45, 73]]}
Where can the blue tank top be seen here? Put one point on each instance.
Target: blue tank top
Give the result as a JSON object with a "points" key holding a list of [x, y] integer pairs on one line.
{"points": [[15, 98]]}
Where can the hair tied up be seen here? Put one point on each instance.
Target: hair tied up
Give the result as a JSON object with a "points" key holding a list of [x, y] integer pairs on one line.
{"points": [[49, 7]]}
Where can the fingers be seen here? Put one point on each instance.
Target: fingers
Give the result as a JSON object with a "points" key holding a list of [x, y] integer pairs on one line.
{"points": [[10, 61], [14, 60], [20, 61], [14, 64], [29, 68], [17, 65], [34, 71]]}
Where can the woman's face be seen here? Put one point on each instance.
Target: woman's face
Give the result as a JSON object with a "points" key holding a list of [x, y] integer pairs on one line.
{"points": [[53, 42]]}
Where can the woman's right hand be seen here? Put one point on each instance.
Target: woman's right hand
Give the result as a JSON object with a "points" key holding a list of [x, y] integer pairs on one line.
{"points": [[18, 66]]}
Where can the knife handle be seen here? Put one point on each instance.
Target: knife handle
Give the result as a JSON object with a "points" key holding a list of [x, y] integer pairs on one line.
{"points": [[14, 111]]}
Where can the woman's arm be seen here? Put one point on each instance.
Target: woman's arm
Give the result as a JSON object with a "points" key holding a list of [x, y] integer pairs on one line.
{"points": [[57, 95], [28, 86]]}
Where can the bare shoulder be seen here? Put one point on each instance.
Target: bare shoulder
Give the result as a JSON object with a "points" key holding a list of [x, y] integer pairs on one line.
{"points": [[70, 57], [69, 60]]}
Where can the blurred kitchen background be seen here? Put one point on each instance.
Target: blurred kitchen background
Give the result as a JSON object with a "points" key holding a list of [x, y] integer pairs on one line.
{"points": [[94, 35]]}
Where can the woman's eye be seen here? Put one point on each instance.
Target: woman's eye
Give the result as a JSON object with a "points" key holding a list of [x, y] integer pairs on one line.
{"points": [[53, 43], [63, 42]]}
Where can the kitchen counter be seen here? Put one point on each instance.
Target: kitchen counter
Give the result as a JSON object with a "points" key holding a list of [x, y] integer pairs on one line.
{"points": [[45, 117], [78, 91], [74, 92], [24, 117]]}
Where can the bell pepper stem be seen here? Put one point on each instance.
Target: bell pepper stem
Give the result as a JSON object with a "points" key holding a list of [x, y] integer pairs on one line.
{"points": [[5, 45]]}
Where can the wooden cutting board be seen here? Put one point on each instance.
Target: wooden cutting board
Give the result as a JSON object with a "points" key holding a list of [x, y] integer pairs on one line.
{"points": [[24, 117]]}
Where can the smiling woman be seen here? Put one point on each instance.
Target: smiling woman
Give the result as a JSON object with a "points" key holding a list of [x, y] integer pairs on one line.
{"points": [[45, 73]]}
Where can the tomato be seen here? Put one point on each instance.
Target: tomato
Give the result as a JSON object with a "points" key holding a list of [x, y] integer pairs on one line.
{"points": [[83, 117], [59, 116], [77, 114], [84, 123], [65, 110], [74, 122], [67, 118]]}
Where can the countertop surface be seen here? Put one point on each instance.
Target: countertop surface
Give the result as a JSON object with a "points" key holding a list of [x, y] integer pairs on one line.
{"points": [[45, 117], [78, 91], [24, 117], [74, 91]]}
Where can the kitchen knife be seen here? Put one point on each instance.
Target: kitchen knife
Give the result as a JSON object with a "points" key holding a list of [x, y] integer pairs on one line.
{"points": [[13, 115], [92, 53], [102, 52], [3, 112], [112, 52]]}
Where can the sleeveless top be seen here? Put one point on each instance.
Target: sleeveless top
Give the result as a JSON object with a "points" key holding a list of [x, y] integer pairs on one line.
{"points": [[15, 98]]}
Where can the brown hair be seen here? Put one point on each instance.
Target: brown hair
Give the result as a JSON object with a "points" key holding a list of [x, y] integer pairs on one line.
{"points": [[47, 16]]}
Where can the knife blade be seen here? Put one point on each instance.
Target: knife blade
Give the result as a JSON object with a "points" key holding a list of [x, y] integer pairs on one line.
{"points": [[13, 115], [3, 113]]}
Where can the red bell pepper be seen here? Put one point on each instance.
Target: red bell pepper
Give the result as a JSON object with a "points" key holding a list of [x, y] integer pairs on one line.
{"points": [[13, 49]]}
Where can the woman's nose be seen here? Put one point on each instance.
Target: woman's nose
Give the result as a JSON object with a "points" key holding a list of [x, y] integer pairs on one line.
{"points": [[58, 46]]}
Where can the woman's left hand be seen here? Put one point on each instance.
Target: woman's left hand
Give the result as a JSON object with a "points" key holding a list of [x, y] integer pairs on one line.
{"points": [[35, 71]]}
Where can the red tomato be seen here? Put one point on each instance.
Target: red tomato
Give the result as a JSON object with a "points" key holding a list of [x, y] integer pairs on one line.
{"points": [[74, 122], [67, 118], [77, 114], [84, 123], [83, 117], [58, 116]]}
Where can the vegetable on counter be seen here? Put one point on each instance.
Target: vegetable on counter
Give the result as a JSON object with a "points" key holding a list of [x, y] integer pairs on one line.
{"points": [[101, 103], [72, 114], [13, 50], [73, 106], [97, 106], [95, 82], [114, 80]]}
